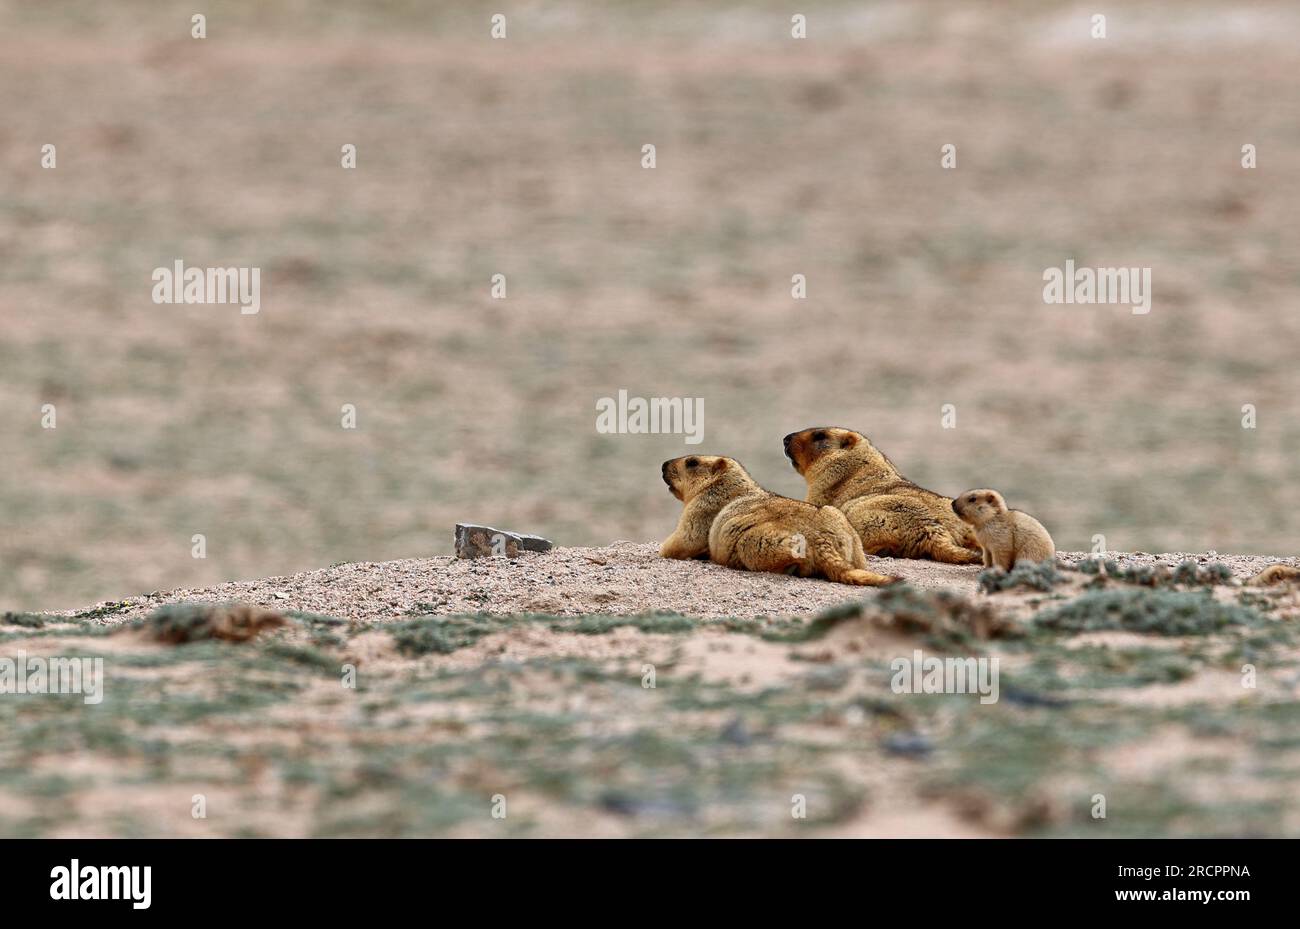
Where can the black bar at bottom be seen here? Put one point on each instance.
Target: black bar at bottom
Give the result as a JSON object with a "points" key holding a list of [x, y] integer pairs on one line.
{"points": [[335, 878]]}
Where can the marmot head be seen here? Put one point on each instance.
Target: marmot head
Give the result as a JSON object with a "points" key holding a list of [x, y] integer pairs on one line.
{"points": [[688, 475], [810, 445], [979, 506]]}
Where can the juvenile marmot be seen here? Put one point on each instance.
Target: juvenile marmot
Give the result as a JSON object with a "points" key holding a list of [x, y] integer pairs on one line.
{"points": [[892, 515], [1006, 536], [737, 523]]}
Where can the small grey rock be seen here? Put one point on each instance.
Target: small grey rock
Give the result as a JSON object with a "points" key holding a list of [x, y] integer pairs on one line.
{"points": [[473, 541], [908, 745], [736, 732]]}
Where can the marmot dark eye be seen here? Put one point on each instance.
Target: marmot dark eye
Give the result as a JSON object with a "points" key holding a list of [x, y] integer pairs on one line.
{"points": [[819, 437], [692, 462], [970, 499]]}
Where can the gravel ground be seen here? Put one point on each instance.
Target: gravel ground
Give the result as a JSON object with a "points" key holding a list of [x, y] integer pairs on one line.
{"points": [[558, 716], [620, 578]]}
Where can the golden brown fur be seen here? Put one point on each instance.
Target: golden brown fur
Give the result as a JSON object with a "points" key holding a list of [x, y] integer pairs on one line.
{"points": [[893, 516], [737, 523], [1006, 536], [1275, 574]]}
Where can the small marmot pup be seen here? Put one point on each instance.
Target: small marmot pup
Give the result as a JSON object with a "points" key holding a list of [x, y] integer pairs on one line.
{"points": [[1006, 536], [738, 524], [890, 514]]}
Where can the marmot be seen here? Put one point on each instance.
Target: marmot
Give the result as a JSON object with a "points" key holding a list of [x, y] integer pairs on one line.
{"points": [[892, 515], [737, 523], [1006, 536], [1275, 574]]}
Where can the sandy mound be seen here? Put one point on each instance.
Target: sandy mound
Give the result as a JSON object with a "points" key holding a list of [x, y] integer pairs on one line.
{"points": [[619, 579]]}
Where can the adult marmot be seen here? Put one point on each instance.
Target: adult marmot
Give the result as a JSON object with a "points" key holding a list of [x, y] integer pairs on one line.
{"points": [[892, 515], [739, 524], [1006, 536]]}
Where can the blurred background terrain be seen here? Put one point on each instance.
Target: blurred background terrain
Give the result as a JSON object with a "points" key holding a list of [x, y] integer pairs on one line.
{"points": [[523, 157]]}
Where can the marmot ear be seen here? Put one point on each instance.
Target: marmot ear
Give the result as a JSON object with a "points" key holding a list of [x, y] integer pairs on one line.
{"points": [[720, 465], [850, 439]]}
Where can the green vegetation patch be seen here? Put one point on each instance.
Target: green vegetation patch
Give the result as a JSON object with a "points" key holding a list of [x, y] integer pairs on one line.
{"points": [[1099, 667], [443, 635], [26, 620], [446, 634], [1041, 576], [1155, 612], [105, 609], [650, 622], [316, 619], [1188, 573]]}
